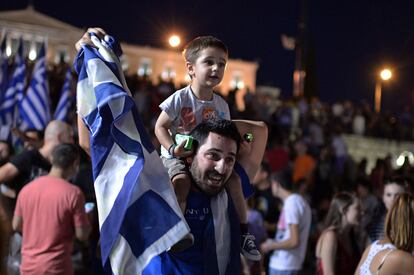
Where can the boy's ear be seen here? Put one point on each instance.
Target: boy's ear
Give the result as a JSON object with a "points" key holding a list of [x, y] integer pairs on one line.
{"points": [[190, 68]]}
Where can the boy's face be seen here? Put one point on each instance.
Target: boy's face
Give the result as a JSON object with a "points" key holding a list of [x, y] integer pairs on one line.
{"points": [[208, 69]]}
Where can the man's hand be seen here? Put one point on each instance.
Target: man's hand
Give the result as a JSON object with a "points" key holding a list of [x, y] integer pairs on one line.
{"points": [[267, 246], [86, 39]]}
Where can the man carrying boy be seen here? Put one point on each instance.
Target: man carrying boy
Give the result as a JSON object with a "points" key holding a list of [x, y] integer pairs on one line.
{"points": [[210, 212], [206, 59]]}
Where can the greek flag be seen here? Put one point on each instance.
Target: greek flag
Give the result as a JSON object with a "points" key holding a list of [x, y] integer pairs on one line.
{"points": [[14, 92], [139, 216], [66, 100], [34, 108], [4, 76]]}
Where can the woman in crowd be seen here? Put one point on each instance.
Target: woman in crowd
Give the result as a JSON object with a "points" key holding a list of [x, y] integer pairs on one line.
{"points": [[392, 189], [336, 250], [393, 254]]}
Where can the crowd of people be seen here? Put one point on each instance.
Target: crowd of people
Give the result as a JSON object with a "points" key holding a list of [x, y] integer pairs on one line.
{"points": [[314, 210]]}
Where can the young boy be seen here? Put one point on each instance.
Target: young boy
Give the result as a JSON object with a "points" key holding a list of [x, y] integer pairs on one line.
{"points": [[206, 59]]}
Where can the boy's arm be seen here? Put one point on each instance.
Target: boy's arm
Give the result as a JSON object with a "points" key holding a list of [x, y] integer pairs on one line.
{"points": [[252, 159], [162, 133], [162, 126]]}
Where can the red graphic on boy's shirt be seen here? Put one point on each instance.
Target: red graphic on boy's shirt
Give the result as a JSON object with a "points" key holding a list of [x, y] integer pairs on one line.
{"points": [[208, 113], [187, 120]]}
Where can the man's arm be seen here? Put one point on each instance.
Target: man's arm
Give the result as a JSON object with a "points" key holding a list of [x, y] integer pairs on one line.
{"points": [[82, 233], [8, 172], [290, 243], [252, 160], [83, 136], [17, 223]]}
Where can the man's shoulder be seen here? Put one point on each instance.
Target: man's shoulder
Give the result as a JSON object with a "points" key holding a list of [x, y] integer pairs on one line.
{"points": [[297, 200]]}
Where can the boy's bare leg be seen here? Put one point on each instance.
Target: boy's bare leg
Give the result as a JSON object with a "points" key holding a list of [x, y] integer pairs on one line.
{"points": [[234, 187], [182, 185], [248, 247]]}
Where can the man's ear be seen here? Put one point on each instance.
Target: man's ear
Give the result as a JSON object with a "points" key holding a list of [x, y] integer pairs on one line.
{"points": [[189, 160]]}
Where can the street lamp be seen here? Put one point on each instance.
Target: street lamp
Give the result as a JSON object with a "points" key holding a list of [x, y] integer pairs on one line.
{"points": [[384, 75], [174, 40]]}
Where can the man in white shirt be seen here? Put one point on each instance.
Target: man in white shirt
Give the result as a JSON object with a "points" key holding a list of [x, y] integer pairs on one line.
{"points": [[289, 244]]}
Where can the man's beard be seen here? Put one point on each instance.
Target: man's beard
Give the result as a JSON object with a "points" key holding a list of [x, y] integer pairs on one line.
{"points": [[198, 179]]}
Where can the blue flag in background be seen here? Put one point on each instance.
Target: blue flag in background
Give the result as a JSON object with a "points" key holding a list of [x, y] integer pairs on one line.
{"points": [[139, 216], [4, 64], [34, 108], [65, 100], [14, 91]]}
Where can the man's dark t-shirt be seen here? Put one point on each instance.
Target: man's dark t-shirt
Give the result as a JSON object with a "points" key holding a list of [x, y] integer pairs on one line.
{"points": [[31, 164]]}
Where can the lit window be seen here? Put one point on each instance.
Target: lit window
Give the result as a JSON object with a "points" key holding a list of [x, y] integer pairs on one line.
{"points": [[237, 81], [62, 55], [124, 63], [145, 67], [168, 74]]}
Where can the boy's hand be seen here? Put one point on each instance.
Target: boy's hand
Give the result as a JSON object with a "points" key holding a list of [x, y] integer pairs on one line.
{"points": [[181, 152], [86, 39]]}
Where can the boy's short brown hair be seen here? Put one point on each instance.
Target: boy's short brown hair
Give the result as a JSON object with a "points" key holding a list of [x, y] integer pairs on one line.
{"points": [[192, 50]]}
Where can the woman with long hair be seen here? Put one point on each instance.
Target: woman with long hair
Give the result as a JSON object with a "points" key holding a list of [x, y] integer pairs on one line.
{"points": [[337, 250], [393, 254]]}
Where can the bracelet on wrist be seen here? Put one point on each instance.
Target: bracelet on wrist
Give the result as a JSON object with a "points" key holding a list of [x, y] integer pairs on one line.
{"points": [[171, 149]]}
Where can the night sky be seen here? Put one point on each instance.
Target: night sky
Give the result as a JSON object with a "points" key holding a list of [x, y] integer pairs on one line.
{"points": [[352, 39]]}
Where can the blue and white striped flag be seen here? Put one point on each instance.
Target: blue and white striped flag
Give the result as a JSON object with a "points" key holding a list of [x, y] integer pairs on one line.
{"points": [[34, 108], [14, 92], [65, 100], [139, 216], [4, 64]]}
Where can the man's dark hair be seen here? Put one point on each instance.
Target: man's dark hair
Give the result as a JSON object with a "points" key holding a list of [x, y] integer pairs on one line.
{"points": [[222, 127], [284, 178], [65, 155], [192, 50]]}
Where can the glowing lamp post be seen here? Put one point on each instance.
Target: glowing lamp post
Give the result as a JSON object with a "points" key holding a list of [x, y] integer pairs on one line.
{"points": [[174, 41], [384, 75]]}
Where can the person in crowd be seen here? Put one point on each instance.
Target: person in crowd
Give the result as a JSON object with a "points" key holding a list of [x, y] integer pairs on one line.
{"points": [[3, 242], [258, 229], [31, 163], [394, 253], [32, 138], [206, 59], [289, 245], [337, 251], [304, 164], [216, 248], [49, 212], [265, 202], [392, 189], [277, 155], [6, 151], [369, 202]]}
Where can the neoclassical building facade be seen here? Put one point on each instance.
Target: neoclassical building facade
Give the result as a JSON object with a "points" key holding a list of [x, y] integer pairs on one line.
{"points": [[35, 28]]}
